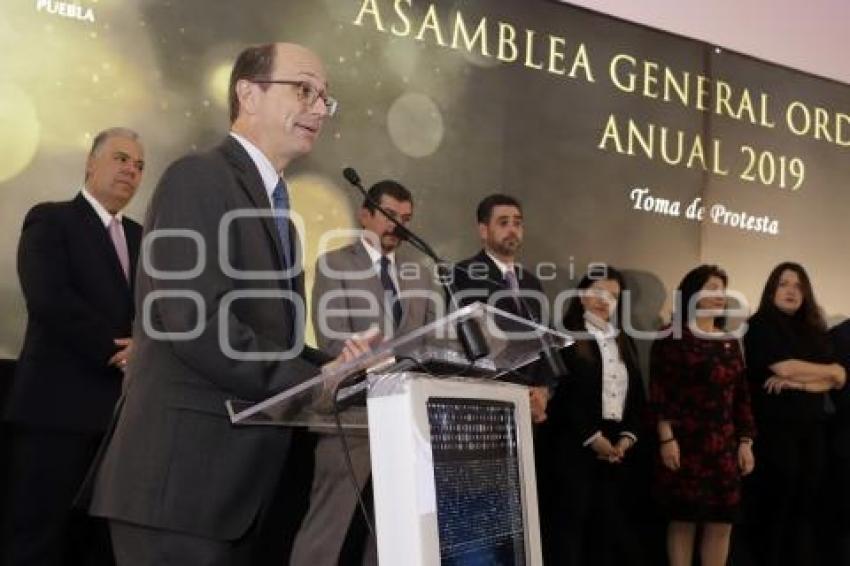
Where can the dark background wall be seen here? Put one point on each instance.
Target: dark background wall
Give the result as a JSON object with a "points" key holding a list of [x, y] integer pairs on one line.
{"points": [[450, 124]]}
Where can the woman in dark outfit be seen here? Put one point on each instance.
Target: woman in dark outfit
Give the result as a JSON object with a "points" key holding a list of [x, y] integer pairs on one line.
{"points": [[594, 421], [701, 403], [790, 365]]}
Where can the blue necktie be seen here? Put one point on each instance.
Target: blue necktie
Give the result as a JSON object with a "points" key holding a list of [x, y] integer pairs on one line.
{"points": [[391, 291], [280, 199]]}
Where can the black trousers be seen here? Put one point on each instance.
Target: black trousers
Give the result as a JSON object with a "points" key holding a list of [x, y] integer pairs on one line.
{"points": [[834, 524], [46, 469], [591, 515], [789, 469]]}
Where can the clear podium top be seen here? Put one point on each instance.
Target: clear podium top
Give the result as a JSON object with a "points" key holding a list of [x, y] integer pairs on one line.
{"points": [[436, 349]]}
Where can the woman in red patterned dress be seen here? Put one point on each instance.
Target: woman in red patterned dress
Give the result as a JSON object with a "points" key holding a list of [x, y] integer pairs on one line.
{"points": [[700, 399]]}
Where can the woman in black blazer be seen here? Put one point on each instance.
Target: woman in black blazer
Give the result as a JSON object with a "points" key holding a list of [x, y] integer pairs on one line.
{"points": [[594, 421]]}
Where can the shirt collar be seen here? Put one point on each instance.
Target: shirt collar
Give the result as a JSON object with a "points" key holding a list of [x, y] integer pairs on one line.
{"points": [[503, 267], [101, 211], [267, 171], [374, 254], [597, 326]]}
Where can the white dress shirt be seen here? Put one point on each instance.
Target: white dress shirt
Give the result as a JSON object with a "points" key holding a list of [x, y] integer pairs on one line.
{"points": [[268, 173], [503, 267], [615, 375], [375, 257], [104, 215]]}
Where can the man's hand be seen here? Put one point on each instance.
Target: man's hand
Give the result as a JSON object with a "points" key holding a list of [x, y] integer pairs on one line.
{"points": [[121, 358], [356, 345], [538, 398]]}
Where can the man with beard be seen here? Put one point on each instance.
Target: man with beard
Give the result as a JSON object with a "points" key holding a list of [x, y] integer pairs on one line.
{"points": [[493, 274], [358, 286]]}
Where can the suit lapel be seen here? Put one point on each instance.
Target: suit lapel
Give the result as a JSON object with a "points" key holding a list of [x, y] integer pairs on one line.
{"points": [[297, 282], [133, 243], [98, 233], [403, 286], [406, 285], [250, 181], [494, 274], [362, 262]]}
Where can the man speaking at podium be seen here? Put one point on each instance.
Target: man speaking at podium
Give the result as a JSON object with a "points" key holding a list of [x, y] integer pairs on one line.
{"points": [[220, 316]]}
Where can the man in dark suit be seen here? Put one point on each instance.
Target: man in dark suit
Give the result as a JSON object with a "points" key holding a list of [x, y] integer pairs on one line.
{"points": [[494, 274], [360, 285], [76, 262], [220, 301]]}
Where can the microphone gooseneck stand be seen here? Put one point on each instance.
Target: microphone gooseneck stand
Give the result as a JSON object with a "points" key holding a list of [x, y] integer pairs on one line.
{"points": [[469, 333]]}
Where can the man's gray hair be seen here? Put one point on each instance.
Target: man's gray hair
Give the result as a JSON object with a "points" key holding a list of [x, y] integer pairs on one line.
{"points": [[119, 132]]}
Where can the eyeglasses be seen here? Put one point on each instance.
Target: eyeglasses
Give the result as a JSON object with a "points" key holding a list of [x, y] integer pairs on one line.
{"points": [[307, 93]]}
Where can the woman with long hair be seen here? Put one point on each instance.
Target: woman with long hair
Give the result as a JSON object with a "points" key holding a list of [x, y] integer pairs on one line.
{"points": [[594, 420], [790, 366], [701, 406]]}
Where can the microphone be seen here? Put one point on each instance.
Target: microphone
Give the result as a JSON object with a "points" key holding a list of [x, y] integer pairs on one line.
{"points": [[352, 177], [400, 231], [470, 334]]}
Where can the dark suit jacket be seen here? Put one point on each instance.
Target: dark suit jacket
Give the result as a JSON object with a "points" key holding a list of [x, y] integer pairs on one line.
{"points": [[575, 411], [174, 461], [479, 277], [78, 303]]}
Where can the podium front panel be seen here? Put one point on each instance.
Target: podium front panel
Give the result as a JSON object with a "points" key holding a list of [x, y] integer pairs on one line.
{"points": [[453, 473]]}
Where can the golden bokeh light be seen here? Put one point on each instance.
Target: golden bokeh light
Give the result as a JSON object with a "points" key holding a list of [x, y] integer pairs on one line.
{"points": [[21, 130], [415, 124], [73, 75], [323, 206], [218, 82]]}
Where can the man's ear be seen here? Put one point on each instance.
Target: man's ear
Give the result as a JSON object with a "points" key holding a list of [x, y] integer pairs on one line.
{"points": [[482, 231], [246, 93], [89, 166], [363, 215]]}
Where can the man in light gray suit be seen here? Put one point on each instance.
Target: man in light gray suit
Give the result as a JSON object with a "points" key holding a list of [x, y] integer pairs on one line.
{"points": [[220, 303], [360, 285]]}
